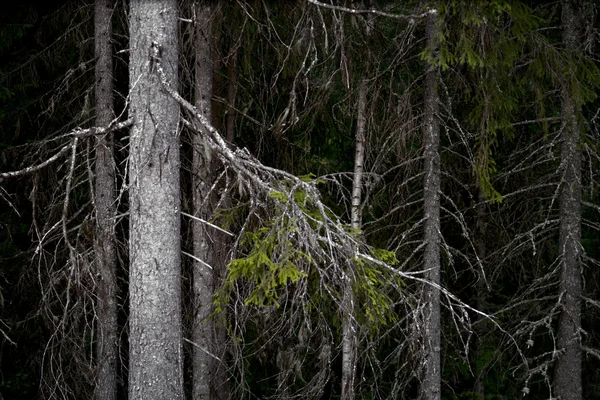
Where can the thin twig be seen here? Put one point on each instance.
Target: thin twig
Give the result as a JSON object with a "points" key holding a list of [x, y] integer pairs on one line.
{"points": [[207, 223]]}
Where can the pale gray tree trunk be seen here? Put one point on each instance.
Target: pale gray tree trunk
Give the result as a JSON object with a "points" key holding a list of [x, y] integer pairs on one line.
{"points": [[567, 376], [431, 383], [155, 335], [349, 334], [205, 364], [349, 338], [104, 243]]}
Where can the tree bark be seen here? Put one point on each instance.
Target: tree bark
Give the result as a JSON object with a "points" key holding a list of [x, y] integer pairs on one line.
{"points": [[480, 247], [349, 339], [431, 384], [155, 338], [567, 374], [104, 243], [231, 93], [208, 377]]}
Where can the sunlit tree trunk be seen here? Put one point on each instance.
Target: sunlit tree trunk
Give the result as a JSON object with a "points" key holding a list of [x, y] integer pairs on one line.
{"points": [[567, 377], [155, 335], [104, 243], [431, 382]]}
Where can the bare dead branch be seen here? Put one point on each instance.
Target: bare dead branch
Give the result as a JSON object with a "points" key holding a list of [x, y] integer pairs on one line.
{"points": [[590, 351], [406, 17], [76, 133], [208, 223]]}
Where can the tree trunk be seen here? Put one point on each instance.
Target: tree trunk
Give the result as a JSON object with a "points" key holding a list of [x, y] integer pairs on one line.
{"points": [[155, 348], [349, 340], [431, 384], [231, 93], [206, 384], [104, 243], [480, 248], [567, 377]]}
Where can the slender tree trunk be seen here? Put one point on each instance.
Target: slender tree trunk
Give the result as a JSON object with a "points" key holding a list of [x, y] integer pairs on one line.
{"points": [[359, 156], [225, 242], [104, 244], [480, 247], [205, 365], [231, 93], [349, 339], [567, 378], [431, 384], [155, 348]]}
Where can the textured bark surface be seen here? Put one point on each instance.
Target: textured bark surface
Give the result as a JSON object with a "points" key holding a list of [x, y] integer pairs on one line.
{"points": [[431, 383], [206, 384], [567, 374], [359, 156], [155, 349], [104, 243]]}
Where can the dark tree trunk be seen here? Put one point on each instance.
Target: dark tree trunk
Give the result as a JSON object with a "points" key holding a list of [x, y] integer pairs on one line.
{"points": [[231, 94], [480, 248], [209, 379], [155, 348], [567, 376], [104, 243], [431, 383]]}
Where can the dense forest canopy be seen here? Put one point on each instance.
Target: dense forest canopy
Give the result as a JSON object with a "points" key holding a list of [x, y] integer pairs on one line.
{"points": [[299, 199]]}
